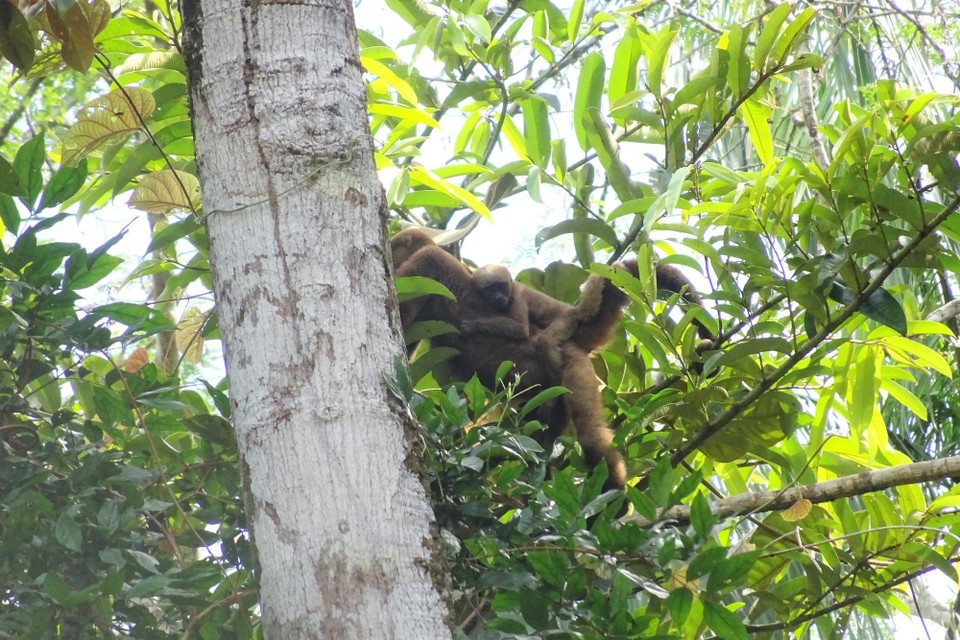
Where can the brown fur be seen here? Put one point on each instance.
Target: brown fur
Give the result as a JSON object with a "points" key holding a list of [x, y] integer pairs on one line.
{"points": [[549, 341]]}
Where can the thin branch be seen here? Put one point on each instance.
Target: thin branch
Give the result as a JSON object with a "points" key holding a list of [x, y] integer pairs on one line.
{"points": [[827, 491], [712, 427]]}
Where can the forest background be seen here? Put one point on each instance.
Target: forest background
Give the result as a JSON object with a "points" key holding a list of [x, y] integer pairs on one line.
{"points": [[800, 161]]}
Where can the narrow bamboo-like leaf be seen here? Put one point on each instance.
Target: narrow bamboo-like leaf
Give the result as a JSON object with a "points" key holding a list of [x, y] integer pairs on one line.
{"points": [[757, 118], [589, 93]]}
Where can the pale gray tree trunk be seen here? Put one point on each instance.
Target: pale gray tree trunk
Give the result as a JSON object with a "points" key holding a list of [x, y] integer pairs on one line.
{"points": [[295, 222]]}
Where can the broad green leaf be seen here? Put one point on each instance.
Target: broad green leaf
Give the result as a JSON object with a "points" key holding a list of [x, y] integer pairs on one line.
{"points": [[9, 180], [589, 94], [723, 623], [757, 117], [917, 354], [608, 152], [788, 40], [623, 71], [415, 286], [590, 226], [404, 113], [862, 392], [905, 397], [27, 164], [536, 131], [16, 37], [63, 185], [576, 19], [771, 28], [383, 72], [658, 55]]}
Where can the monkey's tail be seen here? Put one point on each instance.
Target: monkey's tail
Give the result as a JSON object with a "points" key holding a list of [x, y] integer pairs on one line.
{"points": [[585, 410]]}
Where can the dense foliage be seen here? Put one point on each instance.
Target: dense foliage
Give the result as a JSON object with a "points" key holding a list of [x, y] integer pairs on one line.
{"points": [[787, 156]]}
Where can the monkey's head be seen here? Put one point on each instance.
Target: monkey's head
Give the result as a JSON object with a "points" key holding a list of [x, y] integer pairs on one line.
{"points": [[495, 285], [408, 242]]}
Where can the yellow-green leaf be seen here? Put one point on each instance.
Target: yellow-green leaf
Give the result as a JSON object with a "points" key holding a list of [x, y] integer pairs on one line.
{"points": [[163, 191], [103, 120]]}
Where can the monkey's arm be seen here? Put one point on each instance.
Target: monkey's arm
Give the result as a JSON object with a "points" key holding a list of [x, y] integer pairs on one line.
{"points": [[433, 262], [671, 279], [502, 326]]}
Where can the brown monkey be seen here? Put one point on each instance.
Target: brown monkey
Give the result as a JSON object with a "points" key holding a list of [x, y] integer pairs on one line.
{"points": [[548, 340]]}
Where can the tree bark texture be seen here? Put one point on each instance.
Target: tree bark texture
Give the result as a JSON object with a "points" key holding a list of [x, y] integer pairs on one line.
{"points": [[296, 228]]}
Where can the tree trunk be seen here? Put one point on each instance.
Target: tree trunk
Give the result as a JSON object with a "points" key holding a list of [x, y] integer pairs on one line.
{"points": [[296, 225]]}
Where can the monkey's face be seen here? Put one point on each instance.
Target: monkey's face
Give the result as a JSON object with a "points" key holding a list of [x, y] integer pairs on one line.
{"points": [[497, 294]]}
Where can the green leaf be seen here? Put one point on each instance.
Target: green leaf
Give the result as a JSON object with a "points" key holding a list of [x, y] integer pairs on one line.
{"points": [[589, 226], [9, 214], [426, 363], [679, 604], [623, 71], [551, 567], [67, 532], [536, 130], [9, 180], [658, 56], [862, 393], [791, 35], [723, 623], [589, 94], [16, 37], [415, 286], [771, 27], [135, 316], [27, 164], [757, 117], [63, 185], [701, 517], [576, 19], [601, 139]]}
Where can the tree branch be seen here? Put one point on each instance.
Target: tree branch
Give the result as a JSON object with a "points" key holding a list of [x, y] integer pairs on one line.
{"points": [[843, 487]]}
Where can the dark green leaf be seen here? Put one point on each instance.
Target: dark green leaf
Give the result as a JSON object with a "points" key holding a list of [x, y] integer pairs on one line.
{"points": [[27, 164], [701, 517], [67, 532], [9, 180], [63, 185], [16, 37]]}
